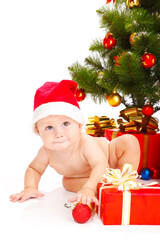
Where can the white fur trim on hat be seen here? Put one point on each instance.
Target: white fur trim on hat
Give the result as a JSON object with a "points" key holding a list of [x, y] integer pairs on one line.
{"points": [[57, 108]]}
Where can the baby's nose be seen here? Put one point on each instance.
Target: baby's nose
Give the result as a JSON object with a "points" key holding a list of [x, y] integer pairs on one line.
{"points": [[58, 134]]}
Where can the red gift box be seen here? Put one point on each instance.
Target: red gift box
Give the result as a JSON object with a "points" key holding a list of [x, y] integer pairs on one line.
{"points": [[149, 145], [134, 207]]}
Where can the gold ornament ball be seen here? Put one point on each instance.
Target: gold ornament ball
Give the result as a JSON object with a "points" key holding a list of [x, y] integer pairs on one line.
{"points": [[133, 3], [132, 38], [100, 74], [114, 99]]}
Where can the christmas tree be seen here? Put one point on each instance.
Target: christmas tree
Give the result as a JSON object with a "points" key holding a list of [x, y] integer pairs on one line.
{"points": [[125, 64]]}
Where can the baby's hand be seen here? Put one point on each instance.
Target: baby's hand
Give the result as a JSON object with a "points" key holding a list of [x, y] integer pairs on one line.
{"points": [[26, 194], [86, 196]]}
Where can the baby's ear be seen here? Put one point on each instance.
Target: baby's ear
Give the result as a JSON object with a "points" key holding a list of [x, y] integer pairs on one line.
{"points": [[37, 129], [80, 126]]}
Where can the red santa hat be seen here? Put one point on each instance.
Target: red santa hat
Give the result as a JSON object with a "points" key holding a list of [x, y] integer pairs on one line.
{"points": [[57, 98]]}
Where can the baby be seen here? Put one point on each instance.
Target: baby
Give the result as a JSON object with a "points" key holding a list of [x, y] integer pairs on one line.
{"points": [[80, 158]]}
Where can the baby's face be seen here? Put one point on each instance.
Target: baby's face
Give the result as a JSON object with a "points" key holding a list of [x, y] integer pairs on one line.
{"points": [[58, 132]]}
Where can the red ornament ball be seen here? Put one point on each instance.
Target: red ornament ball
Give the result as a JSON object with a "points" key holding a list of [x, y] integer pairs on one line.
{"points": [[147, 110], [109, 41], [81, 213], [148, 60], [155, 173], [118, 58], [80, 95]]}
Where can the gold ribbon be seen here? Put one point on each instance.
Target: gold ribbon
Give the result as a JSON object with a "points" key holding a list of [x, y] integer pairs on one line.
{"points": [[136, 121], [97, 125], [145, 151]]}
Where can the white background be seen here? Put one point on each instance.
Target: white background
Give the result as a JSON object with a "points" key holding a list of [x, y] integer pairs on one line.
{"points": [[39, 40]]}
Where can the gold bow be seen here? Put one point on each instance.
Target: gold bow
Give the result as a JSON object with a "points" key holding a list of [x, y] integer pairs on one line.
{"points": [[97, 125], [123, 180]]}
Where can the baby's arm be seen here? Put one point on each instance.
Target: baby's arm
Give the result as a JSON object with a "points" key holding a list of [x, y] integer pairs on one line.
{"points": [[98, 162], [32, 177]]}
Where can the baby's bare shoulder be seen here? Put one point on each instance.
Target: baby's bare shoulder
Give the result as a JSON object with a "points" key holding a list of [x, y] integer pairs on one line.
{"points": [[87, 139], [95, 142], [95, 150], [42, 155]]}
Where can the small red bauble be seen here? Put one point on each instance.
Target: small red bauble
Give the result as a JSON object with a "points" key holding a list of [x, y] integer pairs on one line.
{"points": [[81, 213], [155, 173], [148, 60], [108, 1], [109, 41], [147, 110], [80, 95], [106, 96], [116, 59]]}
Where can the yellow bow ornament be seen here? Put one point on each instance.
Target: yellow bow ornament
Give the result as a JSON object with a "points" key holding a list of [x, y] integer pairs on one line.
{"points": [[123, 180]]}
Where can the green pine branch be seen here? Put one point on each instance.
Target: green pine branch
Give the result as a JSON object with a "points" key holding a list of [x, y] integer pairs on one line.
{"points": [[113, 21], [122, 64], [136, 80], [139, 19], [87, 79], [152, 6], [94, 62]]}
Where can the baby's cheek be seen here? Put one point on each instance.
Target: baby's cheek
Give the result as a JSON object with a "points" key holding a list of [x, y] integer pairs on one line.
{"points": [[46, 140]]}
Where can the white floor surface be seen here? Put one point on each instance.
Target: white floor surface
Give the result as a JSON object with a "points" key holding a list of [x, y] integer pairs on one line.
{"points": [[47, 218]]}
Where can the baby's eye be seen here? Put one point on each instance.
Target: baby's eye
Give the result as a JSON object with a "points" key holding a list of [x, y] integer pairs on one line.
{"points": [[65, 124], [49, 128]]}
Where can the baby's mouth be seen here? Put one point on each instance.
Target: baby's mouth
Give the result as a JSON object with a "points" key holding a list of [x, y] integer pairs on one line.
{"points": [[59, 141]]}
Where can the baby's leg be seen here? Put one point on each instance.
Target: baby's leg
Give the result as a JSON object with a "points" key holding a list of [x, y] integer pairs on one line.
{"points": [[73, 184], [127, 150]]}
